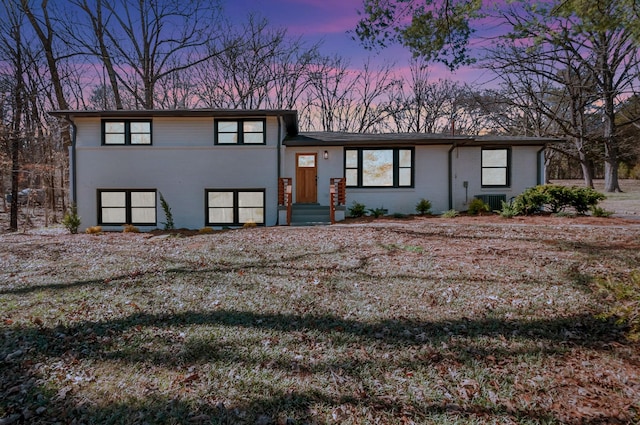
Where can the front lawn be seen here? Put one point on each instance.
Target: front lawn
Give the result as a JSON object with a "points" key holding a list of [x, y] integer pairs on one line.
{"points": [[422, 321]]}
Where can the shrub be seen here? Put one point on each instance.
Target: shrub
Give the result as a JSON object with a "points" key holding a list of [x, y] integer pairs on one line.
{"points": [[71, 220], [508, 210], [450, 214], [94, 230], [530, 201], [130, 228], [557, 198], [597, 211], [399, 215], [205, 230], [477, 206], [625, 297], [584, 198], [357, 209], [377, 212], [635, 172], [423, 207], [168, 225], [249, 225]]}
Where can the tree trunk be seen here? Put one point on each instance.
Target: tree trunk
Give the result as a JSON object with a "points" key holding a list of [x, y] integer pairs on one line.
{"points": [[15, 176], [585, 164], [611, 163]]}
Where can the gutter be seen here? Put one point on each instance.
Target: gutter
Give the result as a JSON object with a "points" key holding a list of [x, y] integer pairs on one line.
{"points": [[450, 161]]}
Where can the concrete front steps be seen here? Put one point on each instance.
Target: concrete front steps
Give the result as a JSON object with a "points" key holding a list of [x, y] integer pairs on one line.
{"points": [[310, 215]]}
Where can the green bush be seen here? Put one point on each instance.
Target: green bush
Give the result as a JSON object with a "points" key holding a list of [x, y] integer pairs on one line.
{"points": [[530, 201], [423, 207], [450, 214], [477, 206], [556, 199], [508, 210], [168, 225], [600, 212], [71, 220], [377, 212], [585, 198], [357, 209]]}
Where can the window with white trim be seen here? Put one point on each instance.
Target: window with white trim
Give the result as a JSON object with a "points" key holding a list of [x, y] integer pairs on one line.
{"points": [[375, 167], [126, 132], [234, 207], [240, 132], [127, 206], [495, 167]]}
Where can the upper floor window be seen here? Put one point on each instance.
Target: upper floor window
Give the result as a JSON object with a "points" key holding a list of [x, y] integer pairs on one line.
{"points": [[365, 167], [495, 167], [126, 132], [240, 132]]}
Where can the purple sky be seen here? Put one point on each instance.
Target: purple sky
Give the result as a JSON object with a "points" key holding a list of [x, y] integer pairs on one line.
{"points": [[330, 21]]}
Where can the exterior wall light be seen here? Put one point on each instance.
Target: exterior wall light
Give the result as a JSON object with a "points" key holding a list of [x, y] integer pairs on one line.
{"points": [[325, 155]]}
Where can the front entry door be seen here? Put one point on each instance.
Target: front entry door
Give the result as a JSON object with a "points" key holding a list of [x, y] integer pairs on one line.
{"points": [[306, 178]]}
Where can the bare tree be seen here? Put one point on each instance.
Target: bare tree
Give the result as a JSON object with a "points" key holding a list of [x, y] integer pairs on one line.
{"points": [[12, 53], [258, 67], [141, 43], [420, 105], [599, 42], [91, 39], [548, 86], [341, 98]]}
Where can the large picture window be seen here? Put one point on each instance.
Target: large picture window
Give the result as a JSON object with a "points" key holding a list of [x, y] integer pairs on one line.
{"points": [[495, 167], [371, 167], [234, 207], [126, 132], [240, 132], [135, 206]]}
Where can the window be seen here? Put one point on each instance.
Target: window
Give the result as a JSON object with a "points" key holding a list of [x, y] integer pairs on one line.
{"points": [[234, 207], [117, 207], [365, 167], [240, 132], [495, 167], [126, 132]]}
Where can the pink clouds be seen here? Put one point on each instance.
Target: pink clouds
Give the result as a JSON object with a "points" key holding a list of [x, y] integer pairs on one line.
{"points": [[332, 23], [303, 17]]}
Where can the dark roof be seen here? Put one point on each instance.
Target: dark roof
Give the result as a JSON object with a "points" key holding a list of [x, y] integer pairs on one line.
{"points": [[290, 116], [325, 138]]}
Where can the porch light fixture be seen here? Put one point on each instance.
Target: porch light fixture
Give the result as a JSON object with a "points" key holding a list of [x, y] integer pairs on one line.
{"points": [[325, 155]]}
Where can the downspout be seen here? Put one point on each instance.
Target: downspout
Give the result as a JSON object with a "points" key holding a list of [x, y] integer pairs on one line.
{"points": [[450, 159], [72, 163], [279, 146], [279, 165], [540, 168]]}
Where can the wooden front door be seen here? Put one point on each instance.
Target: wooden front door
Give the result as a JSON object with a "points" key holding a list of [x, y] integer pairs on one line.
{"points": [[306, 178]]}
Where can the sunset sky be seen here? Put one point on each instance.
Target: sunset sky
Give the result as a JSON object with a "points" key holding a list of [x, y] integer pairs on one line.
{"points": [[333, 21]]}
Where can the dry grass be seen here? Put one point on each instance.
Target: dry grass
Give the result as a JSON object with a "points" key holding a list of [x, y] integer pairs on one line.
{"points": [[467, 320]]}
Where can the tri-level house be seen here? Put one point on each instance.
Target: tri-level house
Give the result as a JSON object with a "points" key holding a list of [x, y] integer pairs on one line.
{"points": [[222, 168]]}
